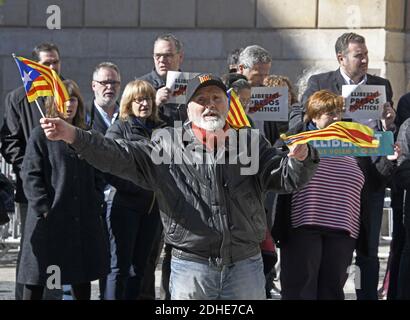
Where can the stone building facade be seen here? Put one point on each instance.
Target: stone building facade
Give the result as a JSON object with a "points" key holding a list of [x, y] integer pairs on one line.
{"points": [[298, 33]]}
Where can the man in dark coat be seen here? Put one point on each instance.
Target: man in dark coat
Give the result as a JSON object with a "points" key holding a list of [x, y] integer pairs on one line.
{"points": [[352, 55], [20, 118]]}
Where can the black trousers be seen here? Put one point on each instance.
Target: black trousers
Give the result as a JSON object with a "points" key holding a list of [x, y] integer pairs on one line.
{"points": [[315, 264]]}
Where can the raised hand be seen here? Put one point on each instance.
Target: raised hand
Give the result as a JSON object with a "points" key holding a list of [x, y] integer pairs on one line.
{"points": [[298, 152], [163, 94]]}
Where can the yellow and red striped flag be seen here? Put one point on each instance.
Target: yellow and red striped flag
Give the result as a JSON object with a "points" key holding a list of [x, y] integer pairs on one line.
{"points": [[40, 80], [353, 132], [237, 117]]}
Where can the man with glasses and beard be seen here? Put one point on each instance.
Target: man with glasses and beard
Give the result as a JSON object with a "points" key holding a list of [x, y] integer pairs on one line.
{"points": [[168, 55]]}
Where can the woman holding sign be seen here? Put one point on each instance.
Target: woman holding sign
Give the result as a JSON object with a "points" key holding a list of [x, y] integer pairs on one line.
{"points": [[319, 226]]}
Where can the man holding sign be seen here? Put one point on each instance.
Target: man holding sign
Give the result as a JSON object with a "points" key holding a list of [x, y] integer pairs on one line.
{"points": [[168, 56], [352, 55]]}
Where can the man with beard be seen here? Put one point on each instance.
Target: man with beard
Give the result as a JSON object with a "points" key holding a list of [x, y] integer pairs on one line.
{"points": [[212, 210], [168, 56]]}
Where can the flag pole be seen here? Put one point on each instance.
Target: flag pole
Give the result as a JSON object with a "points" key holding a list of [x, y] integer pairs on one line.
{"points": [[39, 109]]}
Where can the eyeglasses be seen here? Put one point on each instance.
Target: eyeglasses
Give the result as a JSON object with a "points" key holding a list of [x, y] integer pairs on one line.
{"points": [[105, 83], [140, 100], [158, 56]]}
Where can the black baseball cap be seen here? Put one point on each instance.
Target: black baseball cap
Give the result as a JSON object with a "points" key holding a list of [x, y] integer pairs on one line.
{"points": [[200, 81]]}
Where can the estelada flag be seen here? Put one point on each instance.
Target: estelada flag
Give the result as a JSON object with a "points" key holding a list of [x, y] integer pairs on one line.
{"points": [[40, 81], [237, 117], [353, 132]]}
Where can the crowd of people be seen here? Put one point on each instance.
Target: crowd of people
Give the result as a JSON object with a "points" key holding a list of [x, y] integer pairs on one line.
{"points": [[98, 200]]}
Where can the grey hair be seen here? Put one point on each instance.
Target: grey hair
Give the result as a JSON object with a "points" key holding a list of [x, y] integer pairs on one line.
{"points": [[107, 65], [252, 55], [170, 37]]}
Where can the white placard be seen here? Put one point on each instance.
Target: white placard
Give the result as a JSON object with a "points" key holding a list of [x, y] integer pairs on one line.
{"points": [[363, 102], [177, 82], [269, 104]]}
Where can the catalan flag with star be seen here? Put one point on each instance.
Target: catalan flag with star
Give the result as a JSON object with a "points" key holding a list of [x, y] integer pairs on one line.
{"points": [[42, 81], [353, 132], [237, 117]]}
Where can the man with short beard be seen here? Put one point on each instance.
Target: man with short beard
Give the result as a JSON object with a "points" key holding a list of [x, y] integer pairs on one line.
{"points": [[212, 211]]}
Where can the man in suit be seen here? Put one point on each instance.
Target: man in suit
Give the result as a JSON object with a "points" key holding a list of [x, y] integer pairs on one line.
{"points": [[352, 55], [20, 118]]}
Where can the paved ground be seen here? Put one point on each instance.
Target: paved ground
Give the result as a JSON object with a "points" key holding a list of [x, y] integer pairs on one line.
{"points": [[8, 265]]}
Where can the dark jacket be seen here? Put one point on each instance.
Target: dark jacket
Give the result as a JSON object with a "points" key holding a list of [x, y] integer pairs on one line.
{"points": [[169, 112], [209, 210], [128, 194], [20, 118], [70, 236], [377, 173]]}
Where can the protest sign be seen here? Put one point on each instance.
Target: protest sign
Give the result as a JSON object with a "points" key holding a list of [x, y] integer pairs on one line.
{"points": [[363, 102], [177, 82]]}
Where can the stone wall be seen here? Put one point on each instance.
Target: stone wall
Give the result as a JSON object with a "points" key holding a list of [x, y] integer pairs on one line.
{"points": [[298, 33]]}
